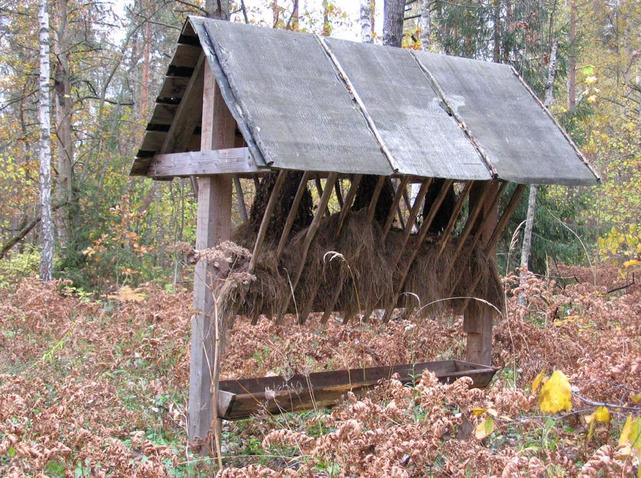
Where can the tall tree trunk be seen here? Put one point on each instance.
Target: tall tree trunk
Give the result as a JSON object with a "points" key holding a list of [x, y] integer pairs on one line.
{"points": [[496, 54], [426, 23], [507, 41], [549, 84], [46, 262], [393, 12], [292, 24], [327, 26], [146, 68], [275, 13], [372, 9], [572, 58], [217, 9], [366, 21], [64, 121]]}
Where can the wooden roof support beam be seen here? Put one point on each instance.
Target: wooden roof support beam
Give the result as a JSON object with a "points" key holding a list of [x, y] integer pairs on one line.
{"points": [[309, 237], [264, 224], [213, 226], [420, 238], [291, 216]]}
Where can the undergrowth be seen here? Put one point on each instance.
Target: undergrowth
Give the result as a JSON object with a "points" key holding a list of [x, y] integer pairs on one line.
{"points": [[98, 388]]}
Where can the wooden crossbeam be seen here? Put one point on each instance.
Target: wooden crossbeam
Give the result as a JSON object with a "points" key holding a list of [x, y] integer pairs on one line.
{"points": [[309, 237], [203, 163], [291, 216], [420, 238], [264, 224]]}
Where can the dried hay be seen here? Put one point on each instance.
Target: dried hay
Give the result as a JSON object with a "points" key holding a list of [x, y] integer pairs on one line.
{"points": [[361, 265]]}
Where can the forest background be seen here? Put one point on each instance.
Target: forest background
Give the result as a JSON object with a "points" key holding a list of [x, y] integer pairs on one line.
{"points": [[107, 62]]}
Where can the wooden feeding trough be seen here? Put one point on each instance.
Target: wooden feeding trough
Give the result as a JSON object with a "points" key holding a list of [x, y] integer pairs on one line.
{"points": [[243, 398], [381, 178]]}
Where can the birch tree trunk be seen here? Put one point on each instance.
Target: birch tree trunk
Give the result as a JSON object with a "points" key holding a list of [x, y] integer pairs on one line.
{"points": [[572, 58], [46, 261], [393, 13], [425, 23], [526, 248], [366, 21], [217, 9]]}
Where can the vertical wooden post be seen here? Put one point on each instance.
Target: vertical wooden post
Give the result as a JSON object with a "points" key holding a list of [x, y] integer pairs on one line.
{"points": [[213, 226], [477, 322]]}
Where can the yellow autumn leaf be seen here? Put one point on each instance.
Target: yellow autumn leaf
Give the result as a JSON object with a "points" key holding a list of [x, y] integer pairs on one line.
{"points": [[631, 435], [636, 398], [478, 411], [631, 263], [556, 394], [538, 380], [484, 429]]}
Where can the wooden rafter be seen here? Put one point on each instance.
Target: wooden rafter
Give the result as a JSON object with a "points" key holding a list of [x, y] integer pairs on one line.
{"points": [[309, 237], [291, 216], [411, 220], [420, 238], [264, 224], [395, 205]]}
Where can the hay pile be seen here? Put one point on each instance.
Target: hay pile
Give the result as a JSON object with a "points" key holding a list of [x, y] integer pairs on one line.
{"points": [[361, 265]]}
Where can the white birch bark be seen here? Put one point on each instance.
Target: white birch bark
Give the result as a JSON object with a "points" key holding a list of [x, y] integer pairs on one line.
{"points": [[425, 23], [44, 106], [366, 21]]}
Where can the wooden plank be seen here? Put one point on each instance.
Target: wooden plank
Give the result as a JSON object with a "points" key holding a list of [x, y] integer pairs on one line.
{"points": [[309, 237], [264, 223], [202, 163], [213, 226], [243, 398], [291, 215]]}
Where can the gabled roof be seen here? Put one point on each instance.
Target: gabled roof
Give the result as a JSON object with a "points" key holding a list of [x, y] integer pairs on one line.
{"points": [[303, 102]]}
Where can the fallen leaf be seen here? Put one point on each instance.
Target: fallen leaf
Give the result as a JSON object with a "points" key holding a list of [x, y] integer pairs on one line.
{"points": [[484, 429], [556, 394]]}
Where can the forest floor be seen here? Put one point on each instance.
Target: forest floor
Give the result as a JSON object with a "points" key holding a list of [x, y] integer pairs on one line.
{"points": [[98, 388]]}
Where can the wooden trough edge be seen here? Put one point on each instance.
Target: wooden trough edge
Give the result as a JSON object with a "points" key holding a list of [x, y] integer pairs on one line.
{"points": [[243, 398]]}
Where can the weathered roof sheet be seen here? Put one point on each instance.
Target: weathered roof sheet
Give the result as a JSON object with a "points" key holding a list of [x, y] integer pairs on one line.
{"points": [[306, 103]]}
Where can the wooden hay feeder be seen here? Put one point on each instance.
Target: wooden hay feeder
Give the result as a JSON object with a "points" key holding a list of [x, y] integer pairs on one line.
{"points": [[379, 174]]}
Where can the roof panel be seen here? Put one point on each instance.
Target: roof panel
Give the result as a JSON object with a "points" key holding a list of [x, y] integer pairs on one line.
{"points": [[520, 139], [298, 111], [423, 139]]}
